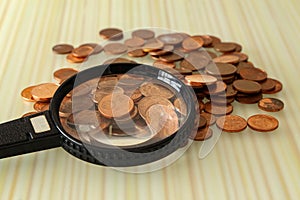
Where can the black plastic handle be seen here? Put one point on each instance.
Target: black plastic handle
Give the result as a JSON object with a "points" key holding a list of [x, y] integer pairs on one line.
{"points": [[28, 134]]}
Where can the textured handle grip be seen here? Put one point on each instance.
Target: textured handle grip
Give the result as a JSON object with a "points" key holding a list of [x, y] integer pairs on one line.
{"points": [[24, 135]]}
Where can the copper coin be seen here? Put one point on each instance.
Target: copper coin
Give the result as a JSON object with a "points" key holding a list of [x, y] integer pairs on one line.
{"points": [[262, 123], [191, 44], [231, 123], [210, 118], [215, 39], [180, 106], [162, 119], [278, 87], [62, 48], [221, 69], [26, 94], [211, 54], [200, 79], [72, 132], [82, 103], [29, 114], [167, 49], [127, 119], [118, 60], [96, 47], [145, 103], [65, 109], [248, 99], [115, 48], [202, 122], [217, 88], [218, 109], [267, 85], [153, 45], [238, 47], [136, 53], [243, 57], [221, 100], [72, 59], [151, 89], [41, 106], [143, 33], [105, 90], [134, 42], [162, 65], [242, 65], [172, 57], [247, 86], [111, 34], [225, 47], [136, 95], [207, 40], [184, 71], [90, 117], [115, 105], [227, 58], [44, 92], [64, 73], [171, 38], [203, 134], [196, 60], [230, 91], [254, 74], [270, 104], [130, 80], [82, 51]]}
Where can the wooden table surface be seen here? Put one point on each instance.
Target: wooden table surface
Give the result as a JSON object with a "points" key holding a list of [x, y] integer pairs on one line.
{"points": [[241, 166]]}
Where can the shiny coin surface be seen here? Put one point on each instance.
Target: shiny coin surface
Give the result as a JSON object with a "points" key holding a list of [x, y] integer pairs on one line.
{"points": [[262, 123], [143, 33], [82, 51], [162, 119], [145, 103], [26, 93], [64, 73], [44, 92], [151, 89], [270, 104], [231, 123], [115, 105]]}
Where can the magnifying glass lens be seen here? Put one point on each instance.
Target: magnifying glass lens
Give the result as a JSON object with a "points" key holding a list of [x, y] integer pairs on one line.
{"points": [[122, 110]]}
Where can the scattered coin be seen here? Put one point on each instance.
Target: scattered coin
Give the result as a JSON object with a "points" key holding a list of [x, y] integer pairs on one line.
{"points": [[72, 59], [62, 48], [115, 48], [262, 123], [270, 104], [143, 33], [44, 92], [41, 106], [64, 73], [82, 51], [231, 123], [225, 47], [111, 34], [26, 94]]}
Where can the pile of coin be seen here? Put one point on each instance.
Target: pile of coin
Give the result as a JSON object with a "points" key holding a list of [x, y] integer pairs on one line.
{"points": [[218, 72], [121, 106]]}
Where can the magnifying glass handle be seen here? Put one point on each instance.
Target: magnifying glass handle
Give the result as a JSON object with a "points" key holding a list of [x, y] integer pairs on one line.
{"points": [[28, 134]]}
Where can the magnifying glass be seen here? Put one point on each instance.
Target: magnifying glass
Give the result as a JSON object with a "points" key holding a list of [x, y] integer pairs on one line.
{"points": [[120, 115]]}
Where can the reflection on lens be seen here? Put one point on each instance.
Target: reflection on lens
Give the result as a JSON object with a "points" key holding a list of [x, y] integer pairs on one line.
{"points": [[122, 110]]}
